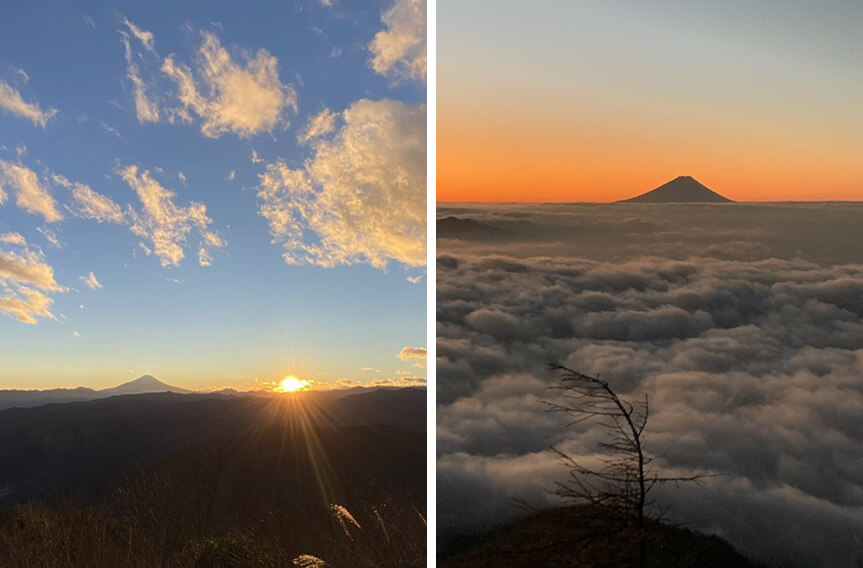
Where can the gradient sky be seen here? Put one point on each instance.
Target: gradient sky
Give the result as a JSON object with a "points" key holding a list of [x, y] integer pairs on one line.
{"points": [[215, 193], [601, 100]]}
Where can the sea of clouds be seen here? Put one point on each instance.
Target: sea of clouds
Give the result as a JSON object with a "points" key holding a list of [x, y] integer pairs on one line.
{"points": [[743, 323]]}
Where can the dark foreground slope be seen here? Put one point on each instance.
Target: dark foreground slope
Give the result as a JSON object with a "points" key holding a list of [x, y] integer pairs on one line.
{"points": [[352, 496], [577, 537]]}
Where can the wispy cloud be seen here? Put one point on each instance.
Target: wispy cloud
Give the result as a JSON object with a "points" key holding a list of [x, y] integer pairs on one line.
{"points": [[26, 281], [91, 282], [30, 193], [146, 107], [361, 197], [13, 239], [165, 225], [399, 50], [12, 101], [408, 353], [319, 125], [90, 204], [242, 98]]}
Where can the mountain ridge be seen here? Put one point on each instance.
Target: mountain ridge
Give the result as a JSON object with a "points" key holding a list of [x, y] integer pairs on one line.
{"points": [[682, 189]]}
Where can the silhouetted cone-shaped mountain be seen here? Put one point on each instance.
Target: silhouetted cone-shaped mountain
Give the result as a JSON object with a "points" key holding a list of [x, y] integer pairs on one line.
{"points": [[141, 385], [683, 189]]}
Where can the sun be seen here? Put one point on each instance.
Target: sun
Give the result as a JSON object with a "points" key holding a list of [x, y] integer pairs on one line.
{"points": [[291, 384]]}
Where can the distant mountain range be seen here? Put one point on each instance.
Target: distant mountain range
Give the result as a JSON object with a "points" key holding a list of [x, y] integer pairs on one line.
{"points": [[458, 228], [682, 189], [27, 398], [81, 446]]}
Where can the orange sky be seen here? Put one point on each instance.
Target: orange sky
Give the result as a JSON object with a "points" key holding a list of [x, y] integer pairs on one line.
{"points": [[596, 103]]}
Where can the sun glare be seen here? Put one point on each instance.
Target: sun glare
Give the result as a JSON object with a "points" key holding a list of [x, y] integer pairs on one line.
{"points": [[292, 384]]}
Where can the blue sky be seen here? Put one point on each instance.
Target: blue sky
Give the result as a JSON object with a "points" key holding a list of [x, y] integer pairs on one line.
{"points": [[215, 193]]}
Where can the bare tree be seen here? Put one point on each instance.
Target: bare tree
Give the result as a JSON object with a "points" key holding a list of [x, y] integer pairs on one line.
{"points": [[623, 481]]}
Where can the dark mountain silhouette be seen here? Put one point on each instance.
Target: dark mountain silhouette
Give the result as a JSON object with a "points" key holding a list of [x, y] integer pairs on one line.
{"points": [[682, 189], [589, 538], [77, 448], [142, 385], [458, 228]]}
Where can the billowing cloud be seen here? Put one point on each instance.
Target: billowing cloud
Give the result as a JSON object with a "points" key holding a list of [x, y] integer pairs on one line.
{"points": [[146, 106], [408, 353], [399, 50], [319, 125], [91, 282], [751, 356], [164, 224], [360, 197], [242, 98], [91, 204], [11, 101], [26, 281], [30, 193]]}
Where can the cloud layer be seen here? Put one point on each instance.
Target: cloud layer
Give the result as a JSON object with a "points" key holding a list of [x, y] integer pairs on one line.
{"points": [[360, 197], [751, 354]]}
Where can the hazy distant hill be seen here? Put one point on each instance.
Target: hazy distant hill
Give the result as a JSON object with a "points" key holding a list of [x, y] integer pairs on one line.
{"points": [[458, 228], [682, 189], [26, 398]]}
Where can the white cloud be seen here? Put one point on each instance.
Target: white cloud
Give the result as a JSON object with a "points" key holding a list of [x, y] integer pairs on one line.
{"points": [[146, 38], [13, 239], [335, 52], [162, 222], [400, 50], [91, 282], [50, 237], [228, 96], [361, 197], [408, 353], [415, 279], [182, 177], [88, 20], [146, 107], [204, 257], [109, 129], [31, 195], [231, 175], [11, 101], [76, 334], [91, 204], [255, 158], [319, 125], [26, 281], [398, 382]]}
